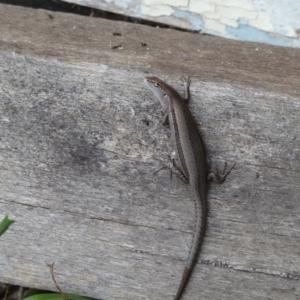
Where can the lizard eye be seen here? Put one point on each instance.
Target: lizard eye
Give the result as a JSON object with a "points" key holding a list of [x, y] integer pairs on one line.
{"points": [[156, 84]]}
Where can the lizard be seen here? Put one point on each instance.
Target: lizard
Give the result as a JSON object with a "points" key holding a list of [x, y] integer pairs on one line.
{"points": [[189, 148]]}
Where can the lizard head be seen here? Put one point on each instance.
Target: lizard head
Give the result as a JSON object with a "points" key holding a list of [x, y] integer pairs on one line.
{"points": [[156, 85]]}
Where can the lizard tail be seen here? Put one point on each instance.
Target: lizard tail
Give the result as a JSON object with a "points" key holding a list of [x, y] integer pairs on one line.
{"points": [[200, 223]]}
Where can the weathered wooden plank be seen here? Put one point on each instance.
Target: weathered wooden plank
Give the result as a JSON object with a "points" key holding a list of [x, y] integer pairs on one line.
{"points": [[81, 137]]}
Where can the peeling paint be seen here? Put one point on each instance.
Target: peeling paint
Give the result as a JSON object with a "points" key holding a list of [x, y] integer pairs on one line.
{"points": [[157, 10], [200, 7], [196, 22], [262, 22], [269, 21], [248, 33], [214, 26], [288, 31], [175, 3], [124, 4], [235, 13], [245, 4], [229, 22]]}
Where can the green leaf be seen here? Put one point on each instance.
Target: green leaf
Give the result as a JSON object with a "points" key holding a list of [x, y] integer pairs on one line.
{"points": [[34, 292], [5, 223], [54, 296], [74, 297]]}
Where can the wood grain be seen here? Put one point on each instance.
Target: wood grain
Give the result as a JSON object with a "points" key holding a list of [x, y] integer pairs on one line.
{"points": [[81, 138]]}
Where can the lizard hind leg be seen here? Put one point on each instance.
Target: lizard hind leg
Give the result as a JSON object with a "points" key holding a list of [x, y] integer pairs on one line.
{"points": [[174, 169], [220, 176]]}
